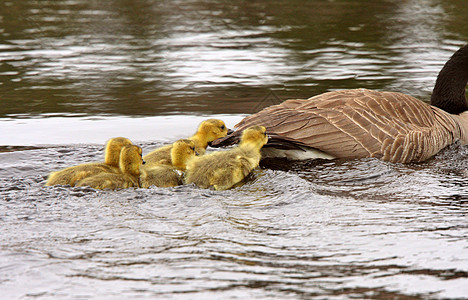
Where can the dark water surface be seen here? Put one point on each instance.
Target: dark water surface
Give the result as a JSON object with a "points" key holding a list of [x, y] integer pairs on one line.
{"points": [[74, 73]]}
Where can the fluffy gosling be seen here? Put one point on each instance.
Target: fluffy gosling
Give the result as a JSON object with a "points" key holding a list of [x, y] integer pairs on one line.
{"points": [[168, 174], [70, 175], [223, 169], [208, 131], [129, 164]]}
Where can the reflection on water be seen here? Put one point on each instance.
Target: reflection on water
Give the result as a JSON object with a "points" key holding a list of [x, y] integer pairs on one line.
{"points": [[54, 130], [152, 57], [74, 73]]}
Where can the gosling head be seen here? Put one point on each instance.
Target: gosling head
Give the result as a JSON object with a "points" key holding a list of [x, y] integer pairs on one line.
{"points": [[113, 148], [211, 130], [181, 152], [131, 160], [254, 136]]}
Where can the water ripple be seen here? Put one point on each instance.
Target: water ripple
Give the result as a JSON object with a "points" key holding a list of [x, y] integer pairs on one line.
{"points": [[74, 73]]}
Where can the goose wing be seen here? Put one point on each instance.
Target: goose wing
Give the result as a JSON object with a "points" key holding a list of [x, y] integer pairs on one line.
{"points": [[356, 123]]}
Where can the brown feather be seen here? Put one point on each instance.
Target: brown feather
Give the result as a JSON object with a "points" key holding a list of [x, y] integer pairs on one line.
{"points": [[359, 123]]}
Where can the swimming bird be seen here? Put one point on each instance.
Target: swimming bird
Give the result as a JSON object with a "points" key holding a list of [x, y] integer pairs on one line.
{"points": [[168, 174], [208, 131], [70, 175], [129, 164], [224, 169], [361, 123]]}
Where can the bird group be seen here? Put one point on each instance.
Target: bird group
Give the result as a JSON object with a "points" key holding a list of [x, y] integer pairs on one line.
{"points": [[345, 124], [183, 161]]}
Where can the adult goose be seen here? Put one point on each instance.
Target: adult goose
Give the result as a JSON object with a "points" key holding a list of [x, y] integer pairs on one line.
{"points": [[364, 123]]}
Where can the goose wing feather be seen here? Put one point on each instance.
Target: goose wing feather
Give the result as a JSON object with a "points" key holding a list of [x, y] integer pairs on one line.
{"points": [[359, 123]]}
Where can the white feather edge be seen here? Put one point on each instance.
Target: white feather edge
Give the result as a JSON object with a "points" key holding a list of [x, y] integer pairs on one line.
{"points": [[301, 154]]}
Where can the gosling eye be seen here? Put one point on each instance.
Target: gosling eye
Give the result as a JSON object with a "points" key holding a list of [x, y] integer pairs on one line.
{"points": [[223, 127]]}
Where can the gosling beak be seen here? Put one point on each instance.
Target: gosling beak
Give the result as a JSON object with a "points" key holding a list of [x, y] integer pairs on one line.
{"points": [[196, 153], [229, 132], [143, 162]]}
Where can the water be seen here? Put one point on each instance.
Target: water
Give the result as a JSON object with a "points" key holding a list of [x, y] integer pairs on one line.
{"points": [[74, 73]]}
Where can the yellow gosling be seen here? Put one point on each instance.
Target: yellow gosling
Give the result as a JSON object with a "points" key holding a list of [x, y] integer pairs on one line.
{"points": [[70, 175], [167, 174], [129, 164], [208, 131], [223, 169]]}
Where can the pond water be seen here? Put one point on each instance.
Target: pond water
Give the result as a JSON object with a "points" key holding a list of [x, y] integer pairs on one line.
{"points": [[74, 73]]}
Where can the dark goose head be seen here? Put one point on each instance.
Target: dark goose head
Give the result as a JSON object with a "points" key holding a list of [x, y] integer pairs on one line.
{"points": [[449, 90]]}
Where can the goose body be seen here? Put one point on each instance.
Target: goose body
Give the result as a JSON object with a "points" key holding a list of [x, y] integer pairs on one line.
{"points": [[223, 169], [168, 174], [129, 164], [208, 131], [70, 175], [364, 123]]}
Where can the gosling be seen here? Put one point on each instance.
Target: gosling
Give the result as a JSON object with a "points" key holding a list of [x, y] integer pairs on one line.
{"points": [[224, 169], [208, 131], [168, 175], [129, 164], [70, 175]]}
